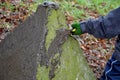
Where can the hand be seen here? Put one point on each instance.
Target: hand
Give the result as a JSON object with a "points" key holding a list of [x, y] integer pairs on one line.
{"points": [[76, 29]]}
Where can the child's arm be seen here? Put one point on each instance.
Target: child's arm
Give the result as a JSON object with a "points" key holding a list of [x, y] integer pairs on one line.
{"points": [[103, 27]]}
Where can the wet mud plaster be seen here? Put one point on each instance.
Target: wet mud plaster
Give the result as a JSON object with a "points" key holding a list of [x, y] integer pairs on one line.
{"points": [[20, 49], [55, 50], [51, 57]]}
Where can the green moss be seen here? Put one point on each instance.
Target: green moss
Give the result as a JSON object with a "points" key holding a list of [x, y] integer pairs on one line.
{"points": [[42, 73], [55, 21], [73, 64], [51, 27]]}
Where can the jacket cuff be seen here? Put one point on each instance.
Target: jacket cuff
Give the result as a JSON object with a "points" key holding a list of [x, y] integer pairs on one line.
{"points": [[83, 27]]}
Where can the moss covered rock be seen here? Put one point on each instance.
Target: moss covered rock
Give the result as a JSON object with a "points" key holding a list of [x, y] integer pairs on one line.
{"points": [[65, 60], [40, 49]]}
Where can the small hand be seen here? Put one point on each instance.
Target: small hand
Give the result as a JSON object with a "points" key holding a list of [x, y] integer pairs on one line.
{"points": [[76, 29]]}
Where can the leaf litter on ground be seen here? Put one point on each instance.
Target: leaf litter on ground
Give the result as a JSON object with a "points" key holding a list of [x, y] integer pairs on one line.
{"points": [[12, 13]]}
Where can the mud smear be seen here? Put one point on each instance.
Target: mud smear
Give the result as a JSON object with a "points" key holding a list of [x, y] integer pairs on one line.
{"points": [[19, 50], [55, 48], [51, 58], [24, 49]]}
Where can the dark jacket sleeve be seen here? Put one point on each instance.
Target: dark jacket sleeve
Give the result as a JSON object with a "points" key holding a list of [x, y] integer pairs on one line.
{"points": [[104, 27]]}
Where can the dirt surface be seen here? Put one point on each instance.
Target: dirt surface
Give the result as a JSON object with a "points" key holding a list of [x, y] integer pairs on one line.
{"points": [[19, 50]]}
